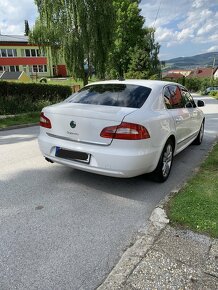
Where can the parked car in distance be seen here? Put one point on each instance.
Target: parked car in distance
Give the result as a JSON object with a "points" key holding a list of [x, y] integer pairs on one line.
{"points": [[122, 128], [211, 89]]}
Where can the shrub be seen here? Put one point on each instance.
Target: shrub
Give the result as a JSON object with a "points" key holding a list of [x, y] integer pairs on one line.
{"points": [[196, 84], [213, 94], [20, 98]]}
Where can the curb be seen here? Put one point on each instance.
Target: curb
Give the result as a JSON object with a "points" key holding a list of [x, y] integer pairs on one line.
{"points": [[133, 255], [19, 126]]}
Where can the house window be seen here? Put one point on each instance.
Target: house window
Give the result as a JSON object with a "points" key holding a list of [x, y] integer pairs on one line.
{"points": [[35, 68], [33, 52], [11, 68], [38, 68], [8, 52], [4, 53], [27, 52]]}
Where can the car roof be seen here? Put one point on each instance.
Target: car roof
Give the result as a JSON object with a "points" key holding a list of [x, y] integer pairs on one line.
{"points": [[153, 84]]}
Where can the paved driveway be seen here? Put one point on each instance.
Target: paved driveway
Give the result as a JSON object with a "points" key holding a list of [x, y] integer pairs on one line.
{"points": [[65, 229]]}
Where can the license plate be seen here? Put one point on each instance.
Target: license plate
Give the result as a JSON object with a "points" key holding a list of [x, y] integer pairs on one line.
{"points": [[72, 155]]}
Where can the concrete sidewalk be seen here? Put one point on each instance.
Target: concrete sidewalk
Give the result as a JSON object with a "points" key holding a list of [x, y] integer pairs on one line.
{"points": [[166, 258]]}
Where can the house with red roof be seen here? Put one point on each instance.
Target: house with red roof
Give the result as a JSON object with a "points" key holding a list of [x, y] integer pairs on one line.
{"points": [[206, 72]]}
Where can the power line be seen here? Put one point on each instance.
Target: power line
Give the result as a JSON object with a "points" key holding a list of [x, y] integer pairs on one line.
{"points": [[157, 13]]}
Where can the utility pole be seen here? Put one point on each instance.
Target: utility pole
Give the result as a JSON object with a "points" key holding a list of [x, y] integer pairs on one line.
{"points": [[211, 78]]}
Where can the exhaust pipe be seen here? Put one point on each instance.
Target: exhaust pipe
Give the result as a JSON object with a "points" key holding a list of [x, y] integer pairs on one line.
{"points": [[49, 160]]}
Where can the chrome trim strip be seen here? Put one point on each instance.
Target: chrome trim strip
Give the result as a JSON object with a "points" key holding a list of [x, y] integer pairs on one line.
{"points": [[83, 142]]}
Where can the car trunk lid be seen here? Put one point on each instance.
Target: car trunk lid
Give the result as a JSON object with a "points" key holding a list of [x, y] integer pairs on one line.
{"points": [[84, 123]]}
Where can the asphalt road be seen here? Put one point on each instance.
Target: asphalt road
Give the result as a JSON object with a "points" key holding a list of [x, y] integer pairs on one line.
{"points": [[65, 229]]}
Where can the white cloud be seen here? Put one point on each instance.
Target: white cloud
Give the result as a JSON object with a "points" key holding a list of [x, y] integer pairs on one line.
{"points": [[192, 22], [213, 49], [198, 3], [209, 27], [164, 34], [167, 12], [178, 24], [13, 13], [185, 34]]}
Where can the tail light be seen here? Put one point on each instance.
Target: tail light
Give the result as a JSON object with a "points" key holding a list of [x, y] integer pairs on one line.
{"points": [[44, 121], [125, 131]]}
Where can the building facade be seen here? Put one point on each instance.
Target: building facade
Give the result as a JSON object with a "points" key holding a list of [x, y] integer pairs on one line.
{"points": [[16, 54]]}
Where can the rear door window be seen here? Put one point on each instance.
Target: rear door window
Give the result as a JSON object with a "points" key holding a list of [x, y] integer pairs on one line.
{"points": [[119, 95]]}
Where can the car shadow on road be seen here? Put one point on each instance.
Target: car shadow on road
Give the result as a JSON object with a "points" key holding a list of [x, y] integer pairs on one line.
{"points": [[56, 179], [141, 187]]}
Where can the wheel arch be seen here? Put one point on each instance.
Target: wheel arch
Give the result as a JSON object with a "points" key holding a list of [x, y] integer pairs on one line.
{"points": [[173, 139]]}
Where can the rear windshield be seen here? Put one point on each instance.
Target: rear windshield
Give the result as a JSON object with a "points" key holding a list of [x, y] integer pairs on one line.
{"points": [[120, 95]]}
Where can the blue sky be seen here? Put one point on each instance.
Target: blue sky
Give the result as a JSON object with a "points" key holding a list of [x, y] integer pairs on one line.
{"points": [[183, 27]]}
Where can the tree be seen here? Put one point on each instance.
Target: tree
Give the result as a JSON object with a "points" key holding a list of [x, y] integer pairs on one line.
{"points": [[82, 29], [144, 62], [134, 53], [27, 28], [128, 32]]}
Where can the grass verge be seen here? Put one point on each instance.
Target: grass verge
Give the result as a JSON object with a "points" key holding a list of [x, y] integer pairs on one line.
{"points": [[214, 95], [19, 120], [196, 205]]}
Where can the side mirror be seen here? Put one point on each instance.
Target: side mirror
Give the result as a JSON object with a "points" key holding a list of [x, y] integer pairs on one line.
{"points": [[200, 103], [189, 105]]}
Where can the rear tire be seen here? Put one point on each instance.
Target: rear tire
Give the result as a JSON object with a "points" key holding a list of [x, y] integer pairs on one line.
{"points": [[162, 171], [199, 138]]}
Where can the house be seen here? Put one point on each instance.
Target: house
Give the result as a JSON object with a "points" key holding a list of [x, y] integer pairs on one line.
{"points": [[16, 54], [20, 76], [180, 71], [173, 76], [215, 74], [206, 72]]}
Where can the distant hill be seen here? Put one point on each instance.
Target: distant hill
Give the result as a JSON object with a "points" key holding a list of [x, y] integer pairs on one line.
{"points": [[190, 62]]}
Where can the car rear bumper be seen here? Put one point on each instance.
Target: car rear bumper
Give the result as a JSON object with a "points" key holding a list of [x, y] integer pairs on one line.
{"points": [[120, 159]]}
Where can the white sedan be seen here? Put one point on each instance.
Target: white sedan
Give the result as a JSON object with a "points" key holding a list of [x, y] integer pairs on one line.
{"points": [[122, 128]]}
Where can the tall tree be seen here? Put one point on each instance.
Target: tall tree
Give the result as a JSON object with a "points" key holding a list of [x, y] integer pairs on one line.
{"points": [[134, 51], [82, 29], [128, 32], [26, 28], [144, 62]]}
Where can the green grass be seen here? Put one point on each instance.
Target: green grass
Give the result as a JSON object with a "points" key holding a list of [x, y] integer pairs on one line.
{"points": [[20, 120], [196, 205], [214, 95], [64, 82]]}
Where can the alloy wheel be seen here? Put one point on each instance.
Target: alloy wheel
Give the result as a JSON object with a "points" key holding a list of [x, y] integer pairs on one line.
{"points": [[167, 160]]}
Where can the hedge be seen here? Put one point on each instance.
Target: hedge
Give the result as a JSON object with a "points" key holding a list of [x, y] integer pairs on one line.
{"points": [[18, 98]]}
